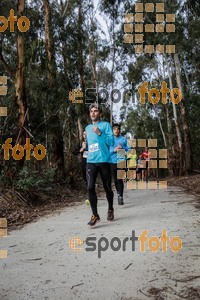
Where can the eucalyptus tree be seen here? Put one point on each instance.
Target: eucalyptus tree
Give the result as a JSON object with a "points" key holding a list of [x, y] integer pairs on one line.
{"points": [[16, 73]]}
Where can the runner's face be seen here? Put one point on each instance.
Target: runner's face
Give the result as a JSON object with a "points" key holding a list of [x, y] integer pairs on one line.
{"points": [[116, 131], [94, 114], [84, 135]]}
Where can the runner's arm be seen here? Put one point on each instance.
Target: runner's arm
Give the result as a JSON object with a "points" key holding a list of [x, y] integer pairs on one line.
{"points": [[142, 155], [107, 135], [112, 150], [126, 146]]}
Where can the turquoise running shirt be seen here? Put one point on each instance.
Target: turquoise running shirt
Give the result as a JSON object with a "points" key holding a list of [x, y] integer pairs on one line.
{"points": [[98, 146], [123, 142]]}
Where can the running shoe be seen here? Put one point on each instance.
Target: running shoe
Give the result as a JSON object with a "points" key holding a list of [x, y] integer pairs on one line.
{"points": [[94, 219], [87, 202], [110, 216]]}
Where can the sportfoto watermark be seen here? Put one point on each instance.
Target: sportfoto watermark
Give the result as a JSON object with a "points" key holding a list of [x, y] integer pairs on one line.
{"points": [[23, 22], [102, 244], [18, 150], [153, 95]]}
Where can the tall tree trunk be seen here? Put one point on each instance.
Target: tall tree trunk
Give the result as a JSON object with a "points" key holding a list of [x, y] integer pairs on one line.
{"points": [[93, 66], [186, 133], [178, 132], [112, 70], [80, 130], [169, 122], [162, 131], [169, 127], [92, 49], [112, 87], [170, 145], [81, 61], [20, 96], [158, 117], [49, 44], [56, 131], [66, 128]]}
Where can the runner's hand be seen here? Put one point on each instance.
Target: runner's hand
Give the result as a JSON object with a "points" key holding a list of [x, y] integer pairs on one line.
{"points": [[118, 147], [84, 145], [96, 130]]}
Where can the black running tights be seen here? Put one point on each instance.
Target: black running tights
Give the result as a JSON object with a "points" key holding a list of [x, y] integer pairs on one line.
{"points": [[104, 170], [119, 185]]}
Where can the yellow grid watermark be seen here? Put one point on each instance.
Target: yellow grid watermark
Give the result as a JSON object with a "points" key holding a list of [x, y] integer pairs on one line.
{"points": [[134, 23], [126, 169], [3, 233], [76, 96], [3, 92]]}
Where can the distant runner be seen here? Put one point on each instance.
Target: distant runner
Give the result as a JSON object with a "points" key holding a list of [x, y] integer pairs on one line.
{"points": [[145, 155], [132, 162], [99, 139], [82, 149], [120, 142]]}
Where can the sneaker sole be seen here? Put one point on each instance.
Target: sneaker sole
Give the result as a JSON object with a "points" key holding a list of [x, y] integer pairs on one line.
{"points": [[94, 224], [111, 220]]}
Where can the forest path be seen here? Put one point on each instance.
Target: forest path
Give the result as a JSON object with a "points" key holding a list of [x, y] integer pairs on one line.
{"points": [[42, 266]]}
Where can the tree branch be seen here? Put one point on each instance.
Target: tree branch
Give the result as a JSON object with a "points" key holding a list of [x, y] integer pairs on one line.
{"points": [[6, 67]]}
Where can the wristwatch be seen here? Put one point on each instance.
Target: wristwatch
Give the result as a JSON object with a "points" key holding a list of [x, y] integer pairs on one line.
{"points": [[100, 134]]}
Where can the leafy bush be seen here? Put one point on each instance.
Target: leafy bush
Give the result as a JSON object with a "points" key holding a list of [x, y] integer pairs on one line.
{"points": [[34, 180]]}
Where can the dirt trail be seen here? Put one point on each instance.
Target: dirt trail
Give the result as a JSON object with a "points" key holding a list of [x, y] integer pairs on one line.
{"points": [[41, 265]]}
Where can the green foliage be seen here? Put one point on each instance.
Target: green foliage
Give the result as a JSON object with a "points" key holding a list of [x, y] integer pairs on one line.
{"points": [[34, 180], [78, 42]]}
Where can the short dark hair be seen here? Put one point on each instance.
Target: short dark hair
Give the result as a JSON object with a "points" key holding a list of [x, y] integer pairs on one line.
{"points": [[96, 105], [116, 125]]}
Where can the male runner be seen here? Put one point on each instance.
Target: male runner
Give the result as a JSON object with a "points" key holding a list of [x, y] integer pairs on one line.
{"points": [[99, 139], [120, 142]]}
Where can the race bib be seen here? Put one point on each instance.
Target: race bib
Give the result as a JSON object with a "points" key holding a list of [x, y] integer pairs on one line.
{"points": [[85, 154], [94, 147]]}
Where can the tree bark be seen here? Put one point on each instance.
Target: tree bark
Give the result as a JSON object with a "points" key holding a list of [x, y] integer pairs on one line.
{"points": [[178, 132], [169, 122], [186, 133], [55, 128], [162, 131], [20, 96], [81, 61], [80, 130], [49, 45]]}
